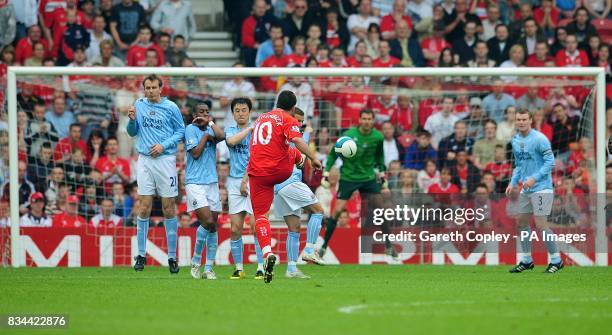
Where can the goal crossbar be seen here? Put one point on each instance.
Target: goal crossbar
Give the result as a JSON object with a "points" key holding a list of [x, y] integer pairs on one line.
{"points": [[598, 74]]}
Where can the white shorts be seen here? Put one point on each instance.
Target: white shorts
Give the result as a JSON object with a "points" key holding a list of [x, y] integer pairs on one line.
{"points": [[157, 176], [199, 196], [237, 203], [292, 198], [539, 203]]}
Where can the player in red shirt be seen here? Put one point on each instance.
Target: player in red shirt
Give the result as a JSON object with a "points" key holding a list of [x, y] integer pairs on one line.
{"points": [[69, 218], [385, 60], [113, 168], [63, 149], [571, 56], [271, 162]]}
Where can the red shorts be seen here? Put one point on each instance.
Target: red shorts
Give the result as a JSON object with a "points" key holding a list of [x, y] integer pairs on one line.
{"points": [[262, 191]]}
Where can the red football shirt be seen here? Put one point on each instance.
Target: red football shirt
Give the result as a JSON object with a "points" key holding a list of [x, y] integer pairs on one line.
{"points": [[382, 112], [24, 50], [389, 63], [504, 169], [64, 147], [270, 143], [48, 7], [353, 61], [332, 37], [533, 61], [105, 165], [388, 23], [438, 189], [269, 83], [578, 59], [402, 117], [59, 20], [294, 59], [137, 55], [351, 104], [434, 45], [65, 220]]}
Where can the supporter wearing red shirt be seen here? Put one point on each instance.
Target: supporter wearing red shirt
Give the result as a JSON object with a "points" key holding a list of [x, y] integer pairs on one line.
{"points": [[361, 50], [385, 60], [383, 107], [47, 8], [336, 35], [540, 57], [388, 22], [106, 217], [298, 57], [547, 16], [444, 187], [24, 49], [69, 218], [571, 56], [333, 85], [59, 19], [427, 107], [63, 149], [137, 53], [402, 116], [272, 160], [269, 84], [113, 168], [500, 168], [433, 46], [351, 102]]}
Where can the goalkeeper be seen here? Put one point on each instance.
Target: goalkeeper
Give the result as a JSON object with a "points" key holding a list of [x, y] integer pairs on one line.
{"points": [[363, 172]]}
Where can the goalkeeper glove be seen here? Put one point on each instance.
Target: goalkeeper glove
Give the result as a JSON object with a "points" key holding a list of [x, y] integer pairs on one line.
{"points": [[382, 180], [325, 179]]}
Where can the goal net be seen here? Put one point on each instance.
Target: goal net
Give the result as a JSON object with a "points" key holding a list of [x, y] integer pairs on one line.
{"points": [[74, 165]]}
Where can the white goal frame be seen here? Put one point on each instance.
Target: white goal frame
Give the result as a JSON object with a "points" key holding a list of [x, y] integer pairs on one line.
{"points": [[601, 255]]}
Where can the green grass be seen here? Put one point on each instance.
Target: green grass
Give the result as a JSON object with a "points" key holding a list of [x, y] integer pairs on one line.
{"points": [[338, 300]]}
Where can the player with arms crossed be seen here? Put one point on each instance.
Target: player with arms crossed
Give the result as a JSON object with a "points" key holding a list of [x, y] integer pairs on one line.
{"points": [[290, 197], [271, 163], [363, 172], [237, 139], [534, 162], [202, 187], [158, 126]]}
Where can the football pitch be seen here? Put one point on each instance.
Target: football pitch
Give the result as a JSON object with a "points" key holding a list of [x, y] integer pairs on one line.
{"points": [[347, 299]]}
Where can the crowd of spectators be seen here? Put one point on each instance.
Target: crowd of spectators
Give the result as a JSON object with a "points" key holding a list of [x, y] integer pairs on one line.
{"points": [[77, 159]]}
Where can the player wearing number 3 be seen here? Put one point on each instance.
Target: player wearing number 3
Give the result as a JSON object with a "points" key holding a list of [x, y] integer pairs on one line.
{"points": [[271, 162], [158, 126], [534, 163]]}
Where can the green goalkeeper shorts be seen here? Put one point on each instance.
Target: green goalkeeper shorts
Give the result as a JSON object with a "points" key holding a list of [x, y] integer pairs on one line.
{"points": [[346, 188]]}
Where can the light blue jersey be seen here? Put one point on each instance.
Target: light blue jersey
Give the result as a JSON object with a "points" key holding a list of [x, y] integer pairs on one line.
{"points": [[533, 159], [296, 175], [201, 171], [239, 153], [156, 123]]}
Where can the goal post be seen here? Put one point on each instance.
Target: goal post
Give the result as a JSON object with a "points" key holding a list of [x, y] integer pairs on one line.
{"points": [[597, 74]]}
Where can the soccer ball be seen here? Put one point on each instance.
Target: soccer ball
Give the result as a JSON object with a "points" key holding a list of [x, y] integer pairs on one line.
{"points": [[345, 147]]}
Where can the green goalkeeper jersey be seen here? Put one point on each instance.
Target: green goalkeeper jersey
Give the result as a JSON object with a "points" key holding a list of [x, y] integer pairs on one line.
{"points": [[370, 155]]}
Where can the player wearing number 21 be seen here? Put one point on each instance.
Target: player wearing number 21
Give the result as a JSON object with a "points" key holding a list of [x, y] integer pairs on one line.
{"points": [[158, 126], [271, 162]]}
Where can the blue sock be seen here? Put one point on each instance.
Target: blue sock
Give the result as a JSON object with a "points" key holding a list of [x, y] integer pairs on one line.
{"points": [[201, 234], [312, 232], [171, 235], [237, 248], [526, 246], [142, 229], [211, 250], [551, 246], [259, 255], [293, 247]]}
